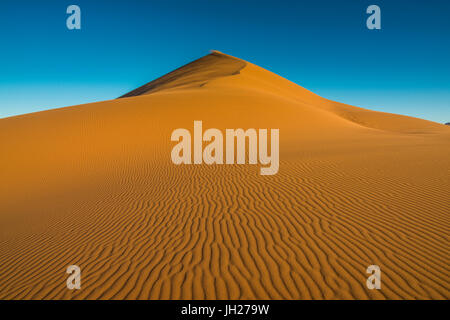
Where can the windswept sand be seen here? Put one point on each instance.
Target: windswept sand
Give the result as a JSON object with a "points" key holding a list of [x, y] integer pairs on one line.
{"points": [[93, 185]]}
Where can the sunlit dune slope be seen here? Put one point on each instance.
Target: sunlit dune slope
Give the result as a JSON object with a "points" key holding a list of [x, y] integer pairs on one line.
{"points": [[94, 185]]}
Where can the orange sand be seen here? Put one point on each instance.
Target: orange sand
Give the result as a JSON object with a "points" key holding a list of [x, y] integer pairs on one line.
{"points": [[93, 185]]}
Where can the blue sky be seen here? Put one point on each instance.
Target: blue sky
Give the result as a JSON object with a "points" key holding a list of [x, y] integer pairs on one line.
{"points": [[322, 45]]}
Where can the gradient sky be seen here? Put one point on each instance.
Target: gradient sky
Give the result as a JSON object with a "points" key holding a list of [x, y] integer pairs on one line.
{"points": [[322, 45]]}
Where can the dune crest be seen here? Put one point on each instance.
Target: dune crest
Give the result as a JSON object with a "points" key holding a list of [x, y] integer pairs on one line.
{"points": [[93, 186], [194, 74]]}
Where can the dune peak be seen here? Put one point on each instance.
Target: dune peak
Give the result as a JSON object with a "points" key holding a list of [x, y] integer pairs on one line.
{"points": [[194, 74]]}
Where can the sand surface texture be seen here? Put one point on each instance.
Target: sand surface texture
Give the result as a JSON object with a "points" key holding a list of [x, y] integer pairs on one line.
{"points": [[93, 185]]}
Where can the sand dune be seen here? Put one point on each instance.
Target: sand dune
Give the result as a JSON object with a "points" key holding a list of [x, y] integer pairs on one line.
{"points": [[93, 185]]}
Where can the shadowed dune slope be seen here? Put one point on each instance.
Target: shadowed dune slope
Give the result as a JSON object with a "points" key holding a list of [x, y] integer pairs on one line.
{"points": [[93, 185], [194, 74]]}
